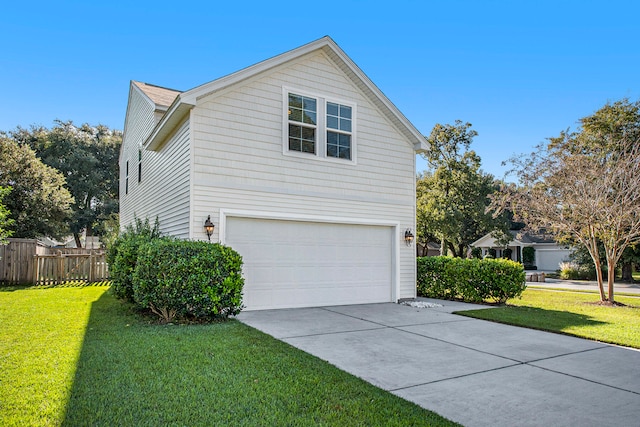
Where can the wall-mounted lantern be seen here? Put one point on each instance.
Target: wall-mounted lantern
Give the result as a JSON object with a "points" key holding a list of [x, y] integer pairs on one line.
{"points": [[408, 237], [208, 227]]}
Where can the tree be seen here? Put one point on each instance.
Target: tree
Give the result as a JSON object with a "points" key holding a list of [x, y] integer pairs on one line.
{"points": [[584, 186], [38, 202], [5, 221], [88, 158], [453, 196]]}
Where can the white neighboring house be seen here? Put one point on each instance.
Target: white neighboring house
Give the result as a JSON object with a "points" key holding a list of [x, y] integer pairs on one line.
{"points": [[302, 163], [548, 253]]}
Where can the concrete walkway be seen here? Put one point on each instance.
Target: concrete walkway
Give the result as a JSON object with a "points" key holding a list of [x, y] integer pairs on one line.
{"points": [[471, 371]]}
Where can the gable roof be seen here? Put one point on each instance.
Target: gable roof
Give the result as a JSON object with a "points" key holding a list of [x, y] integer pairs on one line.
{"points": [[520, 238], [160, 96], [184, 101]]}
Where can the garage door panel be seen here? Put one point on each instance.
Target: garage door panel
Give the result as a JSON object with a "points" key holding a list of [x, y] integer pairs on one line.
{"points": [[301, 264]]}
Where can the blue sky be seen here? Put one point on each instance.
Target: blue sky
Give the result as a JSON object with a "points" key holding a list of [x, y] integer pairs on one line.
{"points": [[518, 71]]}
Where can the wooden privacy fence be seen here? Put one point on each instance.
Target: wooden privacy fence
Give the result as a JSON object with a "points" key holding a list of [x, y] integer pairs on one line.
{"points": [[28, 261], [61, 267]]}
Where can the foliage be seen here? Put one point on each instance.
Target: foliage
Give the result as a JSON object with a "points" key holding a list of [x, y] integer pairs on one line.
{"points": [[584, 186], [5, 221], [122, 255], [569, 312], [573, 271], [476, 252], [38, 202], [188, 279], [528, 256], [507, 253], [472, 280], [88, 157], [79, 357], [452, 196]]}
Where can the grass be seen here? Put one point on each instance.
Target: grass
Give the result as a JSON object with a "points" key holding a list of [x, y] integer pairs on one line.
{"points": [[76, 356], [572, 313]]}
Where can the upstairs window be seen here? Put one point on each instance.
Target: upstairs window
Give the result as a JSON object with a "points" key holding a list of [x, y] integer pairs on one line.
{"points": [[338, 131], [139, 166], [126, 179], [302, 123], [318, 127]]}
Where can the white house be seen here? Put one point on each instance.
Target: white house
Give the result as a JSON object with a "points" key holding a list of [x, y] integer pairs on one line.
{"points": [[548, 253], [302, 164]]}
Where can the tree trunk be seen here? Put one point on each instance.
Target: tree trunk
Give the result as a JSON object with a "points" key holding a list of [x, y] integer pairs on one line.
{"points": [[443, 247], [627, 272], [611, 275], [76, 236], [603, 297]]}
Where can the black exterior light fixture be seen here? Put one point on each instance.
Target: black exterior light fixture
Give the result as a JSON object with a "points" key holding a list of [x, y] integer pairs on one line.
{"points": [[208, 227], [408, 237]]}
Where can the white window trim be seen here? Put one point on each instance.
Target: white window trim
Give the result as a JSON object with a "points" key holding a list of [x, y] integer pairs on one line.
{"points": [[321, 127]]}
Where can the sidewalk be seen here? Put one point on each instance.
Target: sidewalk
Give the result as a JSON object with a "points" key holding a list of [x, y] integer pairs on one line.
{"points": [[585, 285]]}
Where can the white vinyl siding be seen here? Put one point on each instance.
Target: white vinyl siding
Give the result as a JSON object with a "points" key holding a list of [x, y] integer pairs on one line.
{"points": [[164, 191], [238, 160]]}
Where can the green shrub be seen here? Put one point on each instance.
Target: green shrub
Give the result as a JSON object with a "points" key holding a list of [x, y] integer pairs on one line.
{"points": [[476, 253], [492, 252], [122, 255], [529, 257], [188, 279], [471, 280], [573, 271]]}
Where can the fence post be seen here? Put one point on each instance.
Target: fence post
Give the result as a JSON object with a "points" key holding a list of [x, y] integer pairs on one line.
{"points": [[60, 276], [91, 272]]}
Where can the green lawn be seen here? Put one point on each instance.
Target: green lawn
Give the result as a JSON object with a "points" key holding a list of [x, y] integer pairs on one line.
{"points": [[570, 313], [77, 356]]}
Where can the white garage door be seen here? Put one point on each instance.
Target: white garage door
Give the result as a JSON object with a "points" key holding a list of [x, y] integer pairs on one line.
{"points": [[305, 264]]}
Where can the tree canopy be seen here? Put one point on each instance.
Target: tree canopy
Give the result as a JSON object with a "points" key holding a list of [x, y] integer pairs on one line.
{"points": [[87, 156], [5, 221], [38, 203], [584, 186], [452, 197]]}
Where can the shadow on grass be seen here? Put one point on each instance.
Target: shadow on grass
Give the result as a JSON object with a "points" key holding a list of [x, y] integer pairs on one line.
{"points": [[69, 284], [533, 317]]}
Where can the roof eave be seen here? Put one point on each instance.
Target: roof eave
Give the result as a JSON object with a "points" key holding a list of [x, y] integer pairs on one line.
{"points": [[174, 115]]}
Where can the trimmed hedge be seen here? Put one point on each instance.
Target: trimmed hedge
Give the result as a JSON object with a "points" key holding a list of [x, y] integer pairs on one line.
{"points": [[122, 255], [188, 279], [471, 280]]}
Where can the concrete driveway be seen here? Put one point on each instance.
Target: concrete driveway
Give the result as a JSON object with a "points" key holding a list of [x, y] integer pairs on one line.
{"points": [[471, 371]]}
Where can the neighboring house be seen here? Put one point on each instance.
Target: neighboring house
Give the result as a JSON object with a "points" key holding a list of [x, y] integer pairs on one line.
{"points": [[430, 249], [301, 162], [548, 253]]}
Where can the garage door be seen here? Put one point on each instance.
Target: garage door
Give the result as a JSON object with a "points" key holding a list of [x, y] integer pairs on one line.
{"points": [[306, 264]]}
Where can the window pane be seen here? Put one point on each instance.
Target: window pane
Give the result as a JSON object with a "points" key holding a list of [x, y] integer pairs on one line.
{"points": [[295, 114], [332, 151], [295, 131], [344, 140], [295, 144], [332, 138], [308, 134], [332, 122], [310, 117], [345, 125], [345, 112], [345, 153], [332, 109], [309, 104], [295, 100], [308, 147]]}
